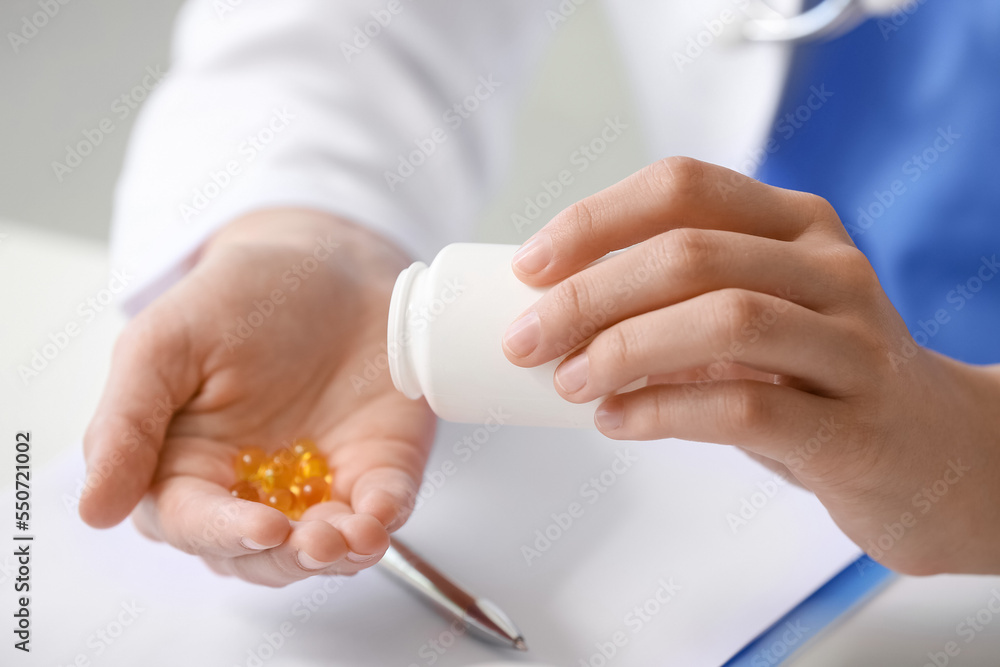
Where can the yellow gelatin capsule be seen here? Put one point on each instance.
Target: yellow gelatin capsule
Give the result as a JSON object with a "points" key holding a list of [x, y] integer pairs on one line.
{"points": [[285, 457], [303, 446], [245, 490], [248, 462], [280, 499], [298, 504], [314, 490], [279, 472], [312, 465]]}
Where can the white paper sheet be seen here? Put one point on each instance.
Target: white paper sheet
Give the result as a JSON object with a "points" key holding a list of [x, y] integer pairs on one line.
{"points": [[659, 522]]}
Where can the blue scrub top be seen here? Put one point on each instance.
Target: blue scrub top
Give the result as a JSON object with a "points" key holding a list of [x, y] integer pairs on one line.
{"points": [[906, 148]]}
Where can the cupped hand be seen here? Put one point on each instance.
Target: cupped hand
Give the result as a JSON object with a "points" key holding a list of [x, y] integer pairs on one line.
{"points": [[278, 332], [761, 325]]}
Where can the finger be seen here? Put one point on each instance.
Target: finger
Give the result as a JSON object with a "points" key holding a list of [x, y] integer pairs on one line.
{"points": [[144, 527], [312, 547], [218, 566], [718, 372], [722, 328], [772, 420], [202, 518], [388, 494], [154, 371], [669, 194], [380, 473], [670, 268], [366, 538]]}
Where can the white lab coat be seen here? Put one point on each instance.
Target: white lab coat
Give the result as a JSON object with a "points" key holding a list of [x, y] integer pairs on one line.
{"points": [[285, 104]]}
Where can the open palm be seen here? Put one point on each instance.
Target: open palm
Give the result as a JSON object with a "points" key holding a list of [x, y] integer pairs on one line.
{"points": [[277, 333]]}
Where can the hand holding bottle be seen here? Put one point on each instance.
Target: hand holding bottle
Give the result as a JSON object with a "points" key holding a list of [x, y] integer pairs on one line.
{"points": [[761, 325]]}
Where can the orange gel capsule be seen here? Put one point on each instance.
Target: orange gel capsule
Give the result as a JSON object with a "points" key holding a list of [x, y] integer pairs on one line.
{"points": [[245, 490], [279, 472], [248, 462], [303, 446], [312, 465], [314, 490], [280, 499], [298, 504]]}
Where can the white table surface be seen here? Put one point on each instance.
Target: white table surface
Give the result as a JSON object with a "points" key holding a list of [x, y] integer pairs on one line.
{"points": [[45, 276]]}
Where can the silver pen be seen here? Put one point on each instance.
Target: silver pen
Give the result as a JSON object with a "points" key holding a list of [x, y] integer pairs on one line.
{"points": [[448, 597]]}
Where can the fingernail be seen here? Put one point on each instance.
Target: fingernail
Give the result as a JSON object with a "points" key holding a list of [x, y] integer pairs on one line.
{"points": [[307, 562], [534, 255], [609, 418], [359, 558], [522, 337], [253, 546], [572, 374]]}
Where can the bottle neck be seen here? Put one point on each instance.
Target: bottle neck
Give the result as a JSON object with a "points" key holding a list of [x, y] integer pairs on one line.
{"points": [[399, 337]]}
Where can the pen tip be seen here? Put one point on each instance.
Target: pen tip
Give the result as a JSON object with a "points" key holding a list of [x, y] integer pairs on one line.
{"points": [[520, 645]]}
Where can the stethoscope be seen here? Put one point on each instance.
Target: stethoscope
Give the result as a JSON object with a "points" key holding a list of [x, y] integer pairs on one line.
{"points": [[827, 19]]}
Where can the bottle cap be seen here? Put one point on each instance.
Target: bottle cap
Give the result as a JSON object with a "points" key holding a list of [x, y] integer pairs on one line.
{"points": [[398, 344]]}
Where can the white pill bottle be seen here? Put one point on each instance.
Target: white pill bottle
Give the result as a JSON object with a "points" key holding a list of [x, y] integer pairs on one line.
{"points": [[446, 326]]}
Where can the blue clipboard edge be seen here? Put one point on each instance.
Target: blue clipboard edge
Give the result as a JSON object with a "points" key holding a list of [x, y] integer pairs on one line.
{"points": [[844, 592]]}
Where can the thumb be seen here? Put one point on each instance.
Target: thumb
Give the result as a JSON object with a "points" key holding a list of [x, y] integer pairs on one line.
{"points": [[152, 375]]}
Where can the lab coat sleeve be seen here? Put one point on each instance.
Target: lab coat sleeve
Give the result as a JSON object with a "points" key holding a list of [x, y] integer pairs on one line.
{"points": [[394, 114]]}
